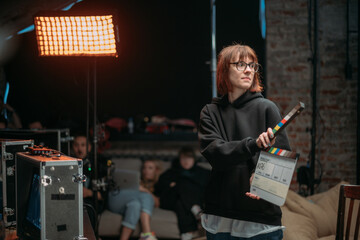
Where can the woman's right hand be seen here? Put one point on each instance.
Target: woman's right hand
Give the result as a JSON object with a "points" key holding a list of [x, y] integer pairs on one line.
{"points": [[143, 189], [265, 139], [251, 195]]}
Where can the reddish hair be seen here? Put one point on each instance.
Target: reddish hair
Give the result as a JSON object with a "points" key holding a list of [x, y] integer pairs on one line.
{"points": [[222, 74]]}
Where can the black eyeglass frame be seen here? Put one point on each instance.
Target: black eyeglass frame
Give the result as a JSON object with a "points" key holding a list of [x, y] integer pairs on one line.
{"points": [[256, 68]]}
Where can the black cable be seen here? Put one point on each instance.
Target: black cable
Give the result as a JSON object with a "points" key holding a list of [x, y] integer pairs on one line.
{"points": [[322, 122], [313, 45], [318, 180]]}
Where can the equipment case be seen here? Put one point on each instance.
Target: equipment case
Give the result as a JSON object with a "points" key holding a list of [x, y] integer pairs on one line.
{"points": [[9, 147], [58, 139], [49, 196]]}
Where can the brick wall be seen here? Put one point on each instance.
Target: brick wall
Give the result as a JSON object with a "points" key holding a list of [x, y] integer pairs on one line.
{"points": [[289, 80]]}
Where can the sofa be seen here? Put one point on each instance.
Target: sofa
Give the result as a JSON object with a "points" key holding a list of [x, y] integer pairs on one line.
{"points": [[308, 218], [313, 217], [163, 222]]}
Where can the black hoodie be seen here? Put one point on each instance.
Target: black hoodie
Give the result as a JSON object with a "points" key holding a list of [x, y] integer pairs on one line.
{"points": [[227, 135]]}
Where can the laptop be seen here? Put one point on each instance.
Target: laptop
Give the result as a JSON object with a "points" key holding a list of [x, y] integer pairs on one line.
{"points": [[126, 179]]}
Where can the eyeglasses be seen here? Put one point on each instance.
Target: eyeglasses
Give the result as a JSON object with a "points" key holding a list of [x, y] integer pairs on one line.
{"points": [[241, 66]]}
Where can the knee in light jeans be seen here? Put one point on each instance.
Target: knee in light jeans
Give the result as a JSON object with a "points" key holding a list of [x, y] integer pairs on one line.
{"points": [[134, 205], [132, 214], [147, 203]]}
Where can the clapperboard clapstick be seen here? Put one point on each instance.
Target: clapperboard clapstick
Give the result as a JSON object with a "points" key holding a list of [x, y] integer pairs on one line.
{"points": [[288, 118], [281, 125]]}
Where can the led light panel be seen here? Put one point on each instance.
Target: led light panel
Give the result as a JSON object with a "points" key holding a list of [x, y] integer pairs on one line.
{"points": [[75, 35]]}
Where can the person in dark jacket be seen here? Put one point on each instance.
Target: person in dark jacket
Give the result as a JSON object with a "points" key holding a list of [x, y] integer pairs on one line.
{"points": [[181, 190], [233, 130], [83, 151]]}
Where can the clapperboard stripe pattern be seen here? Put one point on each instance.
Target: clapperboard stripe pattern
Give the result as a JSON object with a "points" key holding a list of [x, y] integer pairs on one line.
{"points": [[282, 152], [290, 116]]}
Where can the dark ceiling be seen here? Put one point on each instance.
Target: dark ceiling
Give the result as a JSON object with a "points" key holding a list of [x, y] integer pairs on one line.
{"points": [[16, 15], [165, 47]]}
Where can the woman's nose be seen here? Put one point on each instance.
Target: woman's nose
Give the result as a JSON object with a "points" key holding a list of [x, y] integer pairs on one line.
{"points": [[247, 69]]}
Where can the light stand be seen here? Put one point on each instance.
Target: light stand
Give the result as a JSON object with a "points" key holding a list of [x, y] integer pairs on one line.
{"points": [[213, 48], [97, 185], [94, 181], [95, 140], [68, 34]]}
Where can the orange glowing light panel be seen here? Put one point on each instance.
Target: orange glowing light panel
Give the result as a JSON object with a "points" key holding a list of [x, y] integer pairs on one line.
{"points": [[75, 35]]}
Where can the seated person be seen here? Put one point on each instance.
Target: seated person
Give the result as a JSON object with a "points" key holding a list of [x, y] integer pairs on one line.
{"points": [[35, 125], [137, 204], [79, 151], [181, 190]]}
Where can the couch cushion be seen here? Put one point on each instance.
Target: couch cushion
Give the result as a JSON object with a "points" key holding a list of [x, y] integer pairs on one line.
{"points": [[298, 227], [163, 223], [331, 237], [321, 208], [127, 163], [110, 224], [328, 201], [206, 165], [307, 208]]}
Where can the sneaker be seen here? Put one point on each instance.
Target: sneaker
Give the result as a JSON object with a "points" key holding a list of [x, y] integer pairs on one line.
{"points": [[147, 236], [186, 236]]}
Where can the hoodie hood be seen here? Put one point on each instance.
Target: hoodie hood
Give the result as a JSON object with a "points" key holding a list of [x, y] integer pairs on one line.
{"points": [[243, 99]]}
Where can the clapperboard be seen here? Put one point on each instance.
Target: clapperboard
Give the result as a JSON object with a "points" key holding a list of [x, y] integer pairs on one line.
{"points": [[275, 167]]}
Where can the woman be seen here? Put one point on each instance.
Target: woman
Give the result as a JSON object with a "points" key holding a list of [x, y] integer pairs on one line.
{"points": [[134, 205], [181, 190], [233, 129]]}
